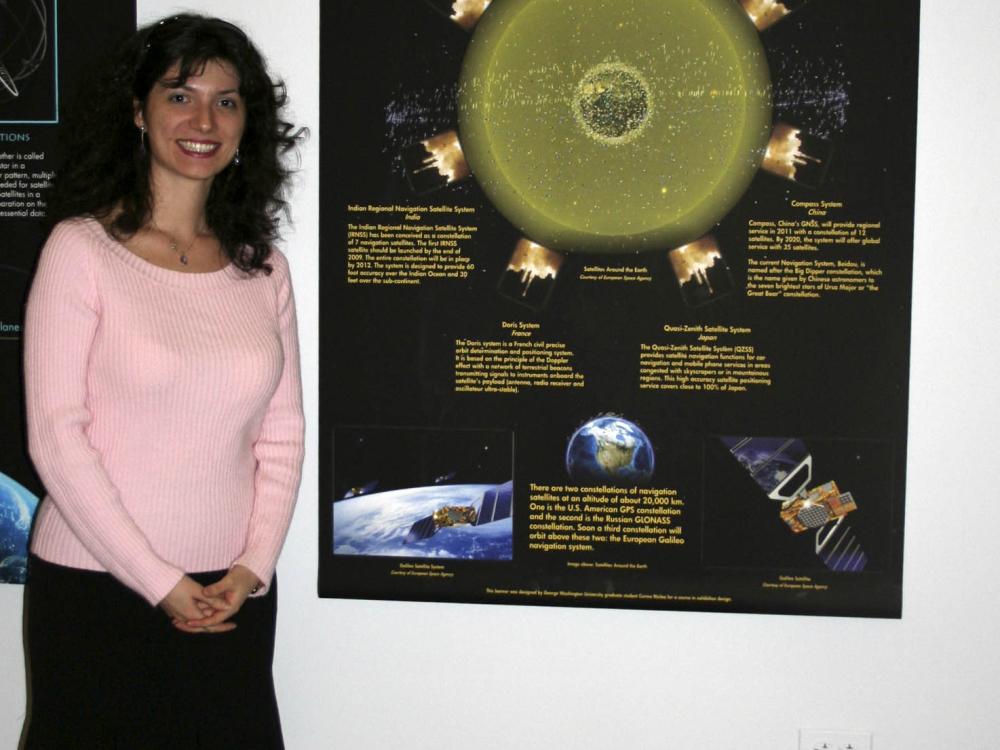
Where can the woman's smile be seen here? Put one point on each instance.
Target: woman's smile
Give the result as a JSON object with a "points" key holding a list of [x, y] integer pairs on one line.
{"points": [[199, 148]]}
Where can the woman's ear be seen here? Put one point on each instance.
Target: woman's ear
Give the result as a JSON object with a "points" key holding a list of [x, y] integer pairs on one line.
{"points": [[140, 121]]}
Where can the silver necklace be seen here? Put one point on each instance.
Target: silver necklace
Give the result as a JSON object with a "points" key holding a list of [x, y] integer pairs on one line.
{"points": [[183, 256], [175, 247]]}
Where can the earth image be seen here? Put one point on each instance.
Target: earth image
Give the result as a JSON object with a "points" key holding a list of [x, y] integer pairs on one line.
{"points": [[17, 507], [379, 523], [612, 450]]}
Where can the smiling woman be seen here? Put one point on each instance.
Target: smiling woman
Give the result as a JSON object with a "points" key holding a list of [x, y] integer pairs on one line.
{"points": [[163, 403], [193, 127], [167, 63]]}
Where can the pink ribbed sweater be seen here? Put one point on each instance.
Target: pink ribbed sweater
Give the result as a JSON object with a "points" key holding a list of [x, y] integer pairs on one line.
{"points": [[164, 412]]}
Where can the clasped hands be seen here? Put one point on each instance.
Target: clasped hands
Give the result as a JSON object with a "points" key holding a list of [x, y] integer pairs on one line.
{"points": [[194, 608]]}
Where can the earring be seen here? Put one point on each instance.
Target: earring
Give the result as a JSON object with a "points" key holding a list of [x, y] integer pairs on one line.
{"points": [[142, 139], [236, 159]]}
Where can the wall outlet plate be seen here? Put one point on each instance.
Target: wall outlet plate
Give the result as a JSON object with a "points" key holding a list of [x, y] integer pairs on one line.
{"points": [[834, 739]]}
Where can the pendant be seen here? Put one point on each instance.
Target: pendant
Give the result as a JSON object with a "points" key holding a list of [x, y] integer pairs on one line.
{"points": [[184, 260]]}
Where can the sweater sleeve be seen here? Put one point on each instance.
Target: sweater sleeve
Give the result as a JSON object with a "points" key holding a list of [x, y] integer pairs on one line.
{"points": [[280, 447], [61, 319]]}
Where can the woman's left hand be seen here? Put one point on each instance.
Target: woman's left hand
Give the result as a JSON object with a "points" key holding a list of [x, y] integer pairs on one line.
{"points": [[233, 588]]}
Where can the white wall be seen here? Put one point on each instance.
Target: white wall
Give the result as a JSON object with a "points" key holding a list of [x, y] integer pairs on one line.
{"points": [[387, 675]]}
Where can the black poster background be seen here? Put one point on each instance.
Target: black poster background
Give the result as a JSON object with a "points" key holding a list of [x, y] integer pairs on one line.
{"points": [[49, 61], [846, 71]]}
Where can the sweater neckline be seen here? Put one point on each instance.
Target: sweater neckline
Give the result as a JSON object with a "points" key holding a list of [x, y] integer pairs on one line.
{"points": [[202, 280]]}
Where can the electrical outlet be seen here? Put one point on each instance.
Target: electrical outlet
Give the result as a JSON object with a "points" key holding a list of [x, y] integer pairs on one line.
{"points": [[832, 739]]}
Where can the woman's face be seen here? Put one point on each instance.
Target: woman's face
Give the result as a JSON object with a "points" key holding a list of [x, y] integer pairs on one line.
{"points": [[193, 129]]}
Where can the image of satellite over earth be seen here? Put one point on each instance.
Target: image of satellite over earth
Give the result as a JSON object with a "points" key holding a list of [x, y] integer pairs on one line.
{"points": [[423, 493]]}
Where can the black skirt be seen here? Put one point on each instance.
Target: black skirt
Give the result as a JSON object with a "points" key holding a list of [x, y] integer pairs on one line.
{"points": [[106, 670]]}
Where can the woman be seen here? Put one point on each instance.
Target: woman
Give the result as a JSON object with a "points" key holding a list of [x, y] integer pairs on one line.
{"points": [[163, 403]]}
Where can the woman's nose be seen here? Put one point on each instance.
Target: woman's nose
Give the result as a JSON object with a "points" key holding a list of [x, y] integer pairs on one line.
{"points": [[204, 119]]}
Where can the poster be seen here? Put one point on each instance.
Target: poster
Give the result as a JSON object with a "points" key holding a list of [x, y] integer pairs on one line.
{"points": [[46, 48], [615, 302]]}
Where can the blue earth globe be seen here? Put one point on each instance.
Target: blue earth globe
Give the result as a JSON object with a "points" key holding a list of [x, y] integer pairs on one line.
{"points": [[611, 450], [17, 507]]}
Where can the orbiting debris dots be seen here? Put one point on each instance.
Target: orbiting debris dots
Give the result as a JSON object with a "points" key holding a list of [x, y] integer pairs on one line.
{"points": [[811, 93], [810, 82], [417, 114]]}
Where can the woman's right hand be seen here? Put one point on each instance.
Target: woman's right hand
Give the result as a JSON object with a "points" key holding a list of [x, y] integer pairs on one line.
{"points": [[187, 601]]}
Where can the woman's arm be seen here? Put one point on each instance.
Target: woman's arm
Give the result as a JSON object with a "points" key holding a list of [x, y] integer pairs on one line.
{"points": [[280, 447], [61, 320]]}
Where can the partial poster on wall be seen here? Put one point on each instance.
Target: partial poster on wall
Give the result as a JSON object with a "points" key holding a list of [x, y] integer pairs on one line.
{"points": [[615, 302], [46, 50]]}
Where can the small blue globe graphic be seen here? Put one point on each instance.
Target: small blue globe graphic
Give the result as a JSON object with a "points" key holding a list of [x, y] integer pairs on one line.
{"points": [[612, 450], [17, 507]]}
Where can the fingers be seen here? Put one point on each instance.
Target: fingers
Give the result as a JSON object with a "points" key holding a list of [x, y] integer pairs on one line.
{"points": [[238, 582], [208, 620], [186, 627], [233, 603], [227, 589], [214, 618], [219, 588], [184, 601], [187, 602], [196, 609], [211, 601]]}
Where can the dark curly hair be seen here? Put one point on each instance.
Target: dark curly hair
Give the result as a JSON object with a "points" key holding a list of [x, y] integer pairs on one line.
{"points": [[106, 166]]}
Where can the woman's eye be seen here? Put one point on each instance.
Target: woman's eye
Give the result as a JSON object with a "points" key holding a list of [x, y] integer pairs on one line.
{"points": [[228, 103], [178, 98]]}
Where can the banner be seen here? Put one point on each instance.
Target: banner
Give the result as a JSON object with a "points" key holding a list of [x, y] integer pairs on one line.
{"points": [[46, 50], [615, 302]]}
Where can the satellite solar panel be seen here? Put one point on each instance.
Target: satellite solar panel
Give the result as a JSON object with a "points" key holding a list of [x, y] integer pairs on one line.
{"points": [[486, 511], [773, 462], [497, 504], [846, 555], [505, 501], [422, 529]]}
